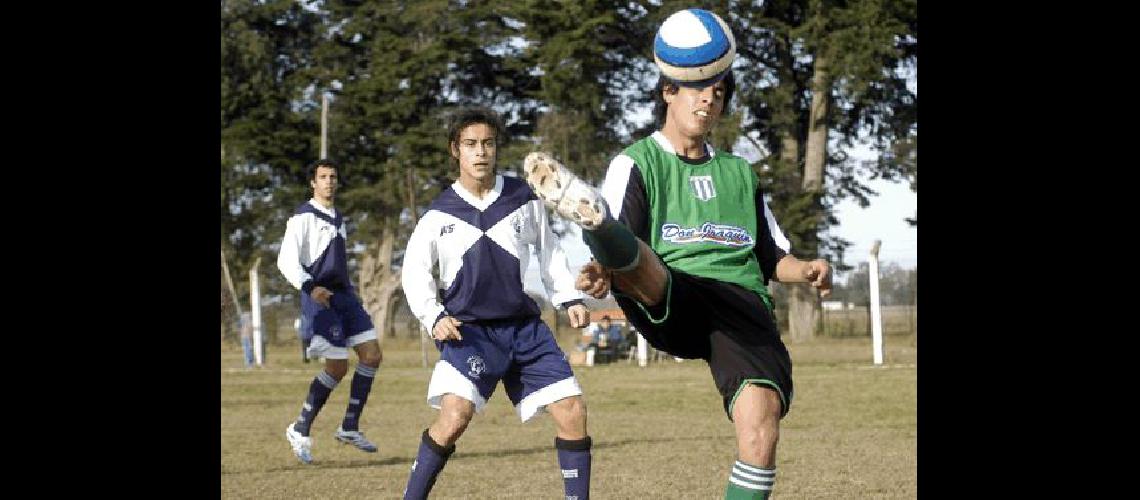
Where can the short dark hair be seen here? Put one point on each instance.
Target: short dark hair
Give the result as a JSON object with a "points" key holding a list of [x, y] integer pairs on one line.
{"points": [[311, 171], [475, 114], [660, 107]]}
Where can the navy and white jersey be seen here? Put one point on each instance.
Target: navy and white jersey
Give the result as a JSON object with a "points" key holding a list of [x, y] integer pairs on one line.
{"points": [[482, 249], [313, 249]]}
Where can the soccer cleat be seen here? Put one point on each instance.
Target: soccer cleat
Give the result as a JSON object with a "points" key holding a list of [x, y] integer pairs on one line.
{"points": [[561, 190], [355, 438], [301, 444]]}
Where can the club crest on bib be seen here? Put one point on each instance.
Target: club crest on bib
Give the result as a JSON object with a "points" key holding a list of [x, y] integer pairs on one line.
{"points": [[335, 332], [702, 187], [477, 366]]}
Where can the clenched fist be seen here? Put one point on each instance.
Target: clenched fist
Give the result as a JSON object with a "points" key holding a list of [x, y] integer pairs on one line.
{"points": [[594, 280]]}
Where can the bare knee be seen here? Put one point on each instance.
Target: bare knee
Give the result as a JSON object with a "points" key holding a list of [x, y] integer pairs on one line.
{"points": [[756, 417], [572, 409], [452, 420], [758, 434], [372, 358], [336, 367], [570, 417], [370, 353]]}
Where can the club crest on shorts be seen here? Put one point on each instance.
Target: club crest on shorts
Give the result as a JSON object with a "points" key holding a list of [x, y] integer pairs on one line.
{"points": [[477, 366], [335, 332], [703, 187]]}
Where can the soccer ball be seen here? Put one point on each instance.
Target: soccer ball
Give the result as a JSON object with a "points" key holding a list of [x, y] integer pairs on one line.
{"points": [[694, 48]]}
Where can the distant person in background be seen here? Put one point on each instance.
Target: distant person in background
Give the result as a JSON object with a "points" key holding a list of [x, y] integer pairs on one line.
{"points": [[606, 333], [587, 339], [314, 260], [304, 335], [245, 328]]}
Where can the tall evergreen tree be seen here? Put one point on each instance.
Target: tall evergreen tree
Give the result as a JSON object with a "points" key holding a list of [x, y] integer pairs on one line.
{"points": [[268, 132]]}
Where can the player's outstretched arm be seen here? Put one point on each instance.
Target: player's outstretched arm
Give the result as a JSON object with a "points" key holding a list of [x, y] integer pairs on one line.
{"points": [[817, 272]]}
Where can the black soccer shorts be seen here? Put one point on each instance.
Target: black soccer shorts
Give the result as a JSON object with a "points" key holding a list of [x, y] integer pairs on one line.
{"points": [[722, 323]]}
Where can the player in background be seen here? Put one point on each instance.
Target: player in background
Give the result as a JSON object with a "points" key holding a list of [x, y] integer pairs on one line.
{"points": [[314, 260]]}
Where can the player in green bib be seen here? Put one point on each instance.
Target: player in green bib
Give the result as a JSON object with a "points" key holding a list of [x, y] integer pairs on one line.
{"points": [[682, 233]]}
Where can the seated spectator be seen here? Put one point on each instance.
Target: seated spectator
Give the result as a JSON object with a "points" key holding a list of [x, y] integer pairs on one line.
{"points": [[607, 337]]}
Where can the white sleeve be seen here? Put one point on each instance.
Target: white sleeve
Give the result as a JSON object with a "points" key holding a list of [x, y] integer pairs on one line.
{"points": [[289, 257], [552, 263], [420, 287], [774, 229]]}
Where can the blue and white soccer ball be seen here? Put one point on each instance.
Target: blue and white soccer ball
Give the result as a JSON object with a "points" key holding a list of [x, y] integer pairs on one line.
{"points": [[694, 47]]}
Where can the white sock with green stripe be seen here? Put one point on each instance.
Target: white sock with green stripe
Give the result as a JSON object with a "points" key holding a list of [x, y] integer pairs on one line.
{"points": [[749, 482]]}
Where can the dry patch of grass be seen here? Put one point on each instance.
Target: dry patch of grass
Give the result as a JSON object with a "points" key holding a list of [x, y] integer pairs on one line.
{"points": [[658, 431]]}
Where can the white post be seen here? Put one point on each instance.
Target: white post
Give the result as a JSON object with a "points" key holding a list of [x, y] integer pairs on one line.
{"points": [[324, 123], [642, 351], [423, 346], [255, 307], [876, 315]]}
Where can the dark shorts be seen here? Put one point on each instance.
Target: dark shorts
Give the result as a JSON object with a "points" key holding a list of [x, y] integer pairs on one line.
{"points": [[344, 318], [519, 352], [726, 325]]}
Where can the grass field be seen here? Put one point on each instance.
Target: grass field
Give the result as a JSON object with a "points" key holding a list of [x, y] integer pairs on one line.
{"points": [[658, 432]]}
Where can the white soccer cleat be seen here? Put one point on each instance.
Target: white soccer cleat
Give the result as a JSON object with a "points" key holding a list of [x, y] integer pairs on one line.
{"points": [[563, 191], [355, 438], [301, 444]]}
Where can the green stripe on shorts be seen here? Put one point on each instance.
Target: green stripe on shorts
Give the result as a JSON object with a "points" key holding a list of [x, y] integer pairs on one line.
{"points": [[758, 381]]}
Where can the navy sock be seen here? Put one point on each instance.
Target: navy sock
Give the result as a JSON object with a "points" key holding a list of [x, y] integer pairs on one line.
{"points": [[429, 462], [613, 245], [574, 459], [358, 395], [319, 391]]}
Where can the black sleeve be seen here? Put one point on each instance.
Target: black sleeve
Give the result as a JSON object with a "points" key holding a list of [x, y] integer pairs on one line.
{"points": [[634, 208], [765, 249]]}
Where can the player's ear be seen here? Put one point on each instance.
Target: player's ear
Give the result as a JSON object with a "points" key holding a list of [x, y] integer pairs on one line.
{"points": [[453, 148], [668, 91]]}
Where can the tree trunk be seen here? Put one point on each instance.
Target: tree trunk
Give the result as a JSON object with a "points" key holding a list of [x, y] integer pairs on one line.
{"points": [[816, 155], [804, 311], [378, 283], [804, 308]]}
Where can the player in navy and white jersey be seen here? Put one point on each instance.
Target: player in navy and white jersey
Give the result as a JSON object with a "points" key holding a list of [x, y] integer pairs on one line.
{"points": [[314, 260], [478, 231]]}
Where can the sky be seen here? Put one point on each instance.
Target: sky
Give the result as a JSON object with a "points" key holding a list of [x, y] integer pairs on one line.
{"points": [[883, 219]]}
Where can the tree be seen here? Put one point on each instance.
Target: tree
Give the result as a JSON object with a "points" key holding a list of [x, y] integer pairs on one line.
{"points": [[817, 76], [396, 70], [813, 78], [268, 130], [588, 55]]}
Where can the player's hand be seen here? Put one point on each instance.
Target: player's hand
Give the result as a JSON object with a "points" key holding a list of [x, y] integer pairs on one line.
{"points": [[594, 280], [579, 315], [321, 295], [446, 328], [818, 273]]}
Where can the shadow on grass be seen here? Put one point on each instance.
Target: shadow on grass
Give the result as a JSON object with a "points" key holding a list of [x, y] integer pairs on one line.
{"points": [[459, 455]]}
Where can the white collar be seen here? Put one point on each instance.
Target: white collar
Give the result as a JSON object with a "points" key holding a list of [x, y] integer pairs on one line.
{"points": [[331, 212], [668, 146], [478, 203]]}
